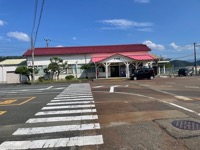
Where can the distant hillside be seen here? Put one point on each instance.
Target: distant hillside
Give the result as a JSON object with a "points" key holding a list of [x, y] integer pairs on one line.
{"points": [[181, 63], [9, 57]]}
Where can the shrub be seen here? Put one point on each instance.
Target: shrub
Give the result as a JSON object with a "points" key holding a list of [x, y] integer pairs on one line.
{"points": [[41, 79], [70, 77]]}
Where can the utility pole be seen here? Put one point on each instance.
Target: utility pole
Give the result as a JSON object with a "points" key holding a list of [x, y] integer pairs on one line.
{"points": [[195, 58], [47, 42], [33, 59]]}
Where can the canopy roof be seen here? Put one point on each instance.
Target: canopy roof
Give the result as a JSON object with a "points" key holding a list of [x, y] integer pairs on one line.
{"points": [[137, 57]]}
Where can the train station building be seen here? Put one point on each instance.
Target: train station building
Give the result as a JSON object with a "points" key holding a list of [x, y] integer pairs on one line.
{"points": [[107, 61]]}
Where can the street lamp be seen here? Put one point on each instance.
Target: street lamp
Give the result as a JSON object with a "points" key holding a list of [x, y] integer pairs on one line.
{"points": [[195, 57]]}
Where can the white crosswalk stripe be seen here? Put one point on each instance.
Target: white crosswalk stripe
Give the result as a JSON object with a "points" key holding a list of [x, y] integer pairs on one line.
{"points": [[70, 103], [74, 105], [56, 119], [53, 143], [52, 129], [75, 99], [81, 111], [68, 106]]}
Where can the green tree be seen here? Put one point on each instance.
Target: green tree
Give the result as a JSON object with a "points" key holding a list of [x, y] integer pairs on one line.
{"points": [[56, 66], [169, 65], [86, 67], [23, 70]]}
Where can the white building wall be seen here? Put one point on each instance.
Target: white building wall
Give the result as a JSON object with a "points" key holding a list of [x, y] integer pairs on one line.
{"points": [[71, 59], [3, 72]]}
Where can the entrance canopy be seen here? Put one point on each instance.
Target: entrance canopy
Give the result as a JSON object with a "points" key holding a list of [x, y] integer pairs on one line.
{"points": [[138, 57]]}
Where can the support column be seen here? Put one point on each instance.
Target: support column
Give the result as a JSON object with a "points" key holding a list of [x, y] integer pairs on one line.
{"points": [[106, 66], [137, 63], [164, 68], [76, 69], [95, 70], [127, 69], [106, 70]]}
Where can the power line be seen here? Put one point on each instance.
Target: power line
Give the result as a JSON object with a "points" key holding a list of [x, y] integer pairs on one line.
{"points": [[34, 17], [186, 56], [41, 11], [34, 41]]}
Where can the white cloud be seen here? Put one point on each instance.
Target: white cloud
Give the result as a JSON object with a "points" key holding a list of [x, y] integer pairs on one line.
{"points": [[142, 1], [145, 29], [2, 22], [124, 23], [59, 46], [181, 48], [154, 46], [74, 38], [174, 46], [19, 35]]}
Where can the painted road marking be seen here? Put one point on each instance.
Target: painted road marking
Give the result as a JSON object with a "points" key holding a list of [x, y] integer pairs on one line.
{"points": [[71, 94], [78, 115], [184, 108], [66, 112], [112, 88], [56, 119], [70, 103], [53, 143], [9, 101], [19, 100], [78, 96], [49, 87], [2, 112], [192, 87], [184, 98], [97, 86], [53, 129], [74, 99], [60, 88], [68, 106], [45, 88]]}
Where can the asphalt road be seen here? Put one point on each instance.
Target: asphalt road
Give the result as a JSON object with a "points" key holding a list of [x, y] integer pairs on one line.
{"points": [[124, 114]]}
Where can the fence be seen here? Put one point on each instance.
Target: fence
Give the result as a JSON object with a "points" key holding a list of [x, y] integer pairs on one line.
{"points": [[174, 70]]}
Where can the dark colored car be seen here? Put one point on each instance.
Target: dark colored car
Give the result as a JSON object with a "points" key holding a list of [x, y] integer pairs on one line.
{"points": [[185, 72], [143, 73]]}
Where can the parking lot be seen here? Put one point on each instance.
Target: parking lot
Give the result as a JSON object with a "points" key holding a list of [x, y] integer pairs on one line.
{"points": [[144, 114]]}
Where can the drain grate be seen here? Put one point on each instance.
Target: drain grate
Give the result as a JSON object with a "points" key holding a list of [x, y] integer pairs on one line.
{"points": [[186, 125]]}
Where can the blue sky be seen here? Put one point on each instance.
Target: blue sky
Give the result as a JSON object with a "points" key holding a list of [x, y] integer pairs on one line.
{"points": [[168, 27]]}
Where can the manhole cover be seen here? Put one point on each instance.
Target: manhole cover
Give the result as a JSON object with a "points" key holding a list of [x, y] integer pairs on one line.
{"points": [[186, 125]]}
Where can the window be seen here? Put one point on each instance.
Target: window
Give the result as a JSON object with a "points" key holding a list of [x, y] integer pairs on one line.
{"points": [[101, 69], [71, 69], [79, 70]]}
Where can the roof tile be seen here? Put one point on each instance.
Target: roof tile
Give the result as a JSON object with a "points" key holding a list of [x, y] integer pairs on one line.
{"points": [[49, 51]]}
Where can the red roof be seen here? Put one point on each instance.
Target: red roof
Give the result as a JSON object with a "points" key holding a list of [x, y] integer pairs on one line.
{"points": [[49, 51], [135, 57], [142, 57]]}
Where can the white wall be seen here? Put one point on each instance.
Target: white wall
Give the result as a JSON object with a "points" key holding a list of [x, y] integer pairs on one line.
{"points": [[71, 59], [3, 71], [4, 75]]}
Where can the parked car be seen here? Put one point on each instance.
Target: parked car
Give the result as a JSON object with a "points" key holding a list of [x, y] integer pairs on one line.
{"points": [[185, 72], [143, 73]]}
